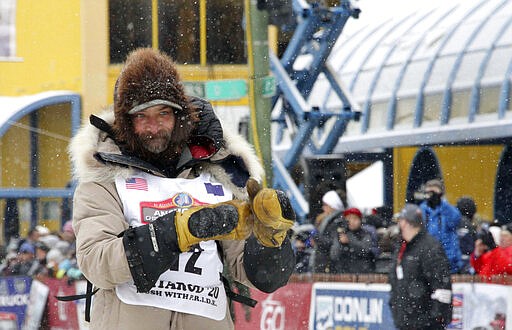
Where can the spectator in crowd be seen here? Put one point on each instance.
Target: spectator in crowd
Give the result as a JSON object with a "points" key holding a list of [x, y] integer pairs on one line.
{"points": [[9, 263], [28, 264], [421, 296], [370, 223], [488, 261], [495, 229], [385, 214], [388, 238], [68, 234], [302, 245], [466, 230], [33, 236], [42, 230], [41, 253], [68, 266], [351, 251], [325, 232], [442, 221], [53, 260], [485, 241], [331, 204]]}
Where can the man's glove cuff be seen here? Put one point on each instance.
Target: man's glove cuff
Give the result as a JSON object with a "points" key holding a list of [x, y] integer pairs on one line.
{"points": [[150, 250], [229, 220]]}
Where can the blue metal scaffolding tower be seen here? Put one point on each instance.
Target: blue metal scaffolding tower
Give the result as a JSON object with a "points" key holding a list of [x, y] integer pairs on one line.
{"points": [[318, 28]]}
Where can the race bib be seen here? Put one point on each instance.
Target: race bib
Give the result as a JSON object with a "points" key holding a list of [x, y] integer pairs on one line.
{"points": [[194, 285]]}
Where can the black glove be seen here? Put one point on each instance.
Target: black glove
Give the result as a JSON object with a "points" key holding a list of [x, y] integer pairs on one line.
{"points": [[206, 138], [153, 248], [209, 126], [147, 263], [268, 268]]}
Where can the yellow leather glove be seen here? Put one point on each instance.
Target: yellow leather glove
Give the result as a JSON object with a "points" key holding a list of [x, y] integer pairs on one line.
{"points": [[231, 220], [273, 213]]}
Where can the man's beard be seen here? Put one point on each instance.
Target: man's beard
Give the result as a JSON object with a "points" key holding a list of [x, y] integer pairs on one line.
{"points": [[156, 143]]}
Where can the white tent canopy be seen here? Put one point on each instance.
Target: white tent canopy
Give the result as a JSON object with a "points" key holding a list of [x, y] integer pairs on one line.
{"points": [[365, 190]]}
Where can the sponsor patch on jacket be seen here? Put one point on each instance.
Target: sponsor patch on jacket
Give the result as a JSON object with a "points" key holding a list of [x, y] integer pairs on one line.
{"points": [[151, 211]]}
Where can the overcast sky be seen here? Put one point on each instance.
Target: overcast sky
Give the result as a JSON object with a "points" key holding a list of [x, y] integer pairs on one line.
{"points": [[373, 11]]}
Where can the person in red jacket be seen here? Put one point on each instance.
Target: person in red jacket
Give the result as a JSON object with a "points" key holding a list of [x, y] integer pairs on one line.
{"points": [[497, 261]]}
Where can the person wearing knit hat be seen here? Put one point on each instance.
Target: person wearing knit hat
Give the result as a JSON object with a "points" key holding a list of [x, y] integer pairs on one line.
{"points": [[325, 229], [467, 229], [332, 199], [165, 196], [353, 250], [331, 204], [354, 211]]}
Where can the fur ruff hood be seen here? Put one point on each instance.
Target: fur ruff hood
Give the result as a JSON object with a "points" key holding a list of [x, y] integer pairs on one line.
{"points": [[90, 140]]}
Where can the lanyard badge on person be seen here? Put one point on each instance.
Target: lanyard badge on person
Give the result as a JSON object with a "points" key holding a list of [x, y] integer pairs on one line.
{"points": [[399, 269]]}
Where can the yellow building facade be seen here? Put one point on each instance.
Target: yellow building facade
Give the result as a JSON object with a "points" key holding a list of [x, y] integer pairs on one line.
{"points": [[65, 46]]}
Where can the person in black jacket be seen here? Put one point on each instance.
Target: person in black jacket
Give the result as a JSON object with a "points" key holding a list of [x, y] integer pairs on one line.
{"points": [[467, 230], [421, 296], [325, 231], [352, 248]]}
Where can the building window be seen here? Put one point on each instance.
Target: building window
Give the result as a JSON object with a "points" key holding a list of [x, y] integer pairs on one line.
{"points": [[225, 34], [7, 28], [178, 30], [191, 32], [130, 27]]}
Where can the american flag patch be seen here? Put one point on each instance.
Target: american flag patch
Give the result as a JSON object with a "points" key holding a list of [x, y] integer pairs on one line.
{"points": [[137, 184]]}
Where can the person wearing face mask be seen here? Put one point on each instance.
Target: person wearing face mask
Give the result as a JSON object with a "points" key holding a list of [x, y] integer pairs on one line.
{"points": [[442, 220]]}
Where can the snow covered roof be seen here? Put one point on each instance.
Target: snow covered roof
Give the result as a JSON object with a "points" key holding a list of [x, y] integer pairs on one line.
{"points": [[13, 108], [436, 74]]}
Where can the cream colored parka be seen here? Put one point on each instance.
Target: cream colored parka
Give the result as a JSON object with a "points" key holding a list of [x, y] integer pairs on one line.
{"points": [[98, 221]]}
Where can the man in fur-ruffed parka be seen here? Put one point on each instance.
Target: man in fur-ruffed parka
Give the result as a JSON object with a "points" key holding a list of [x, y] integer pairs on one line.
{"points": [[165, 202]]}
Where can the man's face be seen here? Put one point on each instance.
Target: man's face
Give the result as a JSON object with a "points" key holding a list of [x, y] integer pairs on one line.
{"points": [[354, 222], [505, 238], [401, 223], [326, 208], [26, 256], [154, 126]]}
